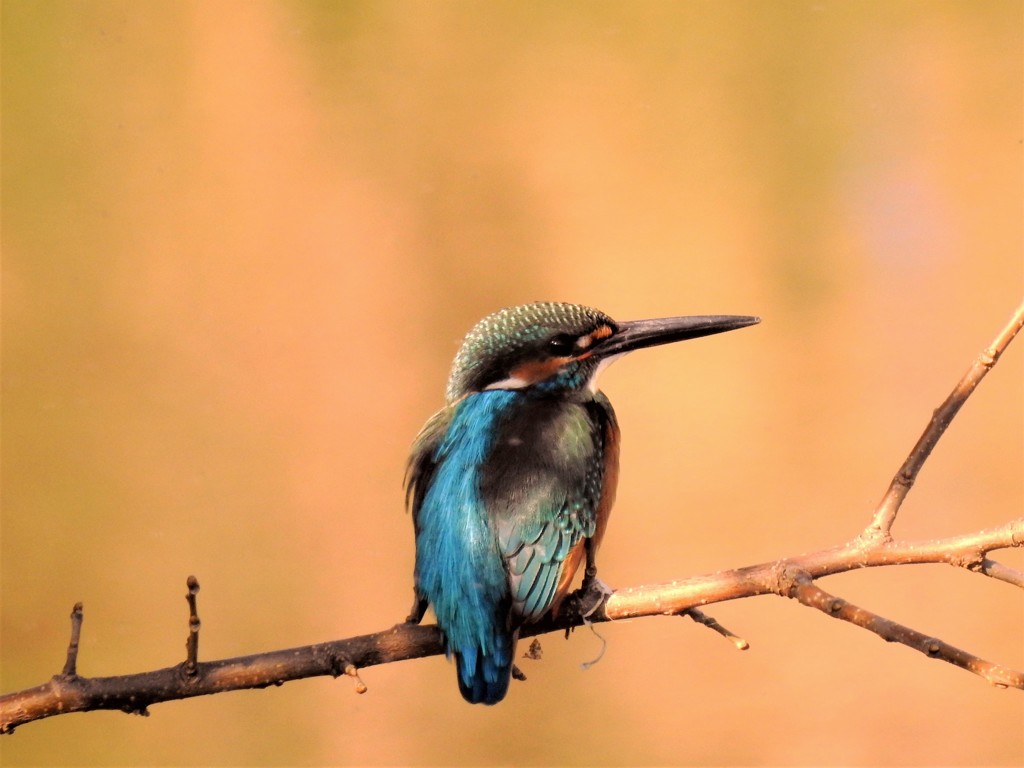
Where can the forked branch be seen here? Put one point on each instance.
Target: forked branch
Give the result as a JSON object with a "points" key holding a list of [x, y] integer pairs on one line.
{"points": [[792, 577]]}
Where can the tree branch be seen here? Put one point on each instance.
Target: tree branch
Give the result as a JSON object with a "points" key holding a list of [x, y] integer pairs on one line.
{"points": [[1002, 572], [813, 596], [791, 577], [903, 481]]}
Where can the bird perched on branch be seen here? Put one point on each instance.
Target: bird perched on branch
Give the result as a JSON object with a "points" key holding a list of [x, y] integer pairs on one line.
{"points": [[510, 484]]}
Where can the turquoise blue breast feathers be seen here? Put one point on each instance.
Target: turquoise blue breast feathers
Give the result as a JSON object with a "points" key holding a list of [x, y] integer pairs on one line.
{"points": [[510, 484]]}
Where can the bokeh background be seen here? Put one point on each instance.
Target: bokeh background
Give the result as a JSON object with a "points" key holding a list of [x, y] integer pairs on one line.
{"points": [[242, 240]]}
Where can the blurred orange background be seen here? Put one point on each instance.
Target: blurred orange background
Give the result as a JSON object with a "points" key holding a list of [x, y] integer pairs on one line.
{"points": [[242, 240]]}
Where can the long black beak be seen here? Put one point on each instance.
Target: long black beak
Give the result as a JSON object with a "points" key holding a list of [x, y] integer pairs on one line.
{"points": [[637, 334]]}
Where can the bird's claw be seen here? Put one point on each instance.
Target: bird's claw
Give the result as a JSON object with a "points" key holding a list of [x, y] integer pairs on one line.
{"points": [[596, 592], [591, 595], [419, 608]]}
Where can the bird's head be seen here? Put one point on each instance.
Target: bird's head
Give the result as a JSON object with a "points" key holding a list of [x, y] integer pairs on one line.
{"points": [[556, 347]]}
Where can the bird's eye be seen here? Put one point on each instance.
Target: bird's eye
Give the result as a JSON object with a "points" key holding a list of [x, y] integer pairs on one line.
{"points": [[562, 345]]}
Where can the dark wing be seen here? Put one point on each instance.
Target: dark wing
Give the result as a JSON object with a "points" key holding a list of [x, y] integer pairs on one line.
{"points": [[542, 492], [538, 549]]}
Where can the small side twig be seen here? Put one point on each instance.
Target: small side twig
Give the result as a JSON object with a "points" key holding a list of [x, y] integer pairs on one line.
{"points": [[71, 665], [351, 671], [712, 623], [192, 643], [813, 596], [1002, 572]]}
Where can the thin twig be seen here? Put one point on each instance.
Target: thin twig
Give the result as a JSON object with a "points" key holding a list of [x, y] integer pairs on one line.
{"points": [[712, 623], [192, 643], [885, 514], [810, 594], [1002, 572], [71, 664], [351, 671]]}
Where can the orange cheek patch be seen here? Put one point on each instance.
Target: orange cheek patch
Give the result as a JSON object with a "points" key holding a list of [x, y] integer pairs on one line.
{"points": [[538, 370]]}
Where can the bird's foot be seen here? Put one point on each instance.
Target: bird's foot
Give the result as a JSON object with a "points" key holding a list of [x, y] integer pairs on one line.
{"points": [[419, 608], [586, 600], [597, 592]]}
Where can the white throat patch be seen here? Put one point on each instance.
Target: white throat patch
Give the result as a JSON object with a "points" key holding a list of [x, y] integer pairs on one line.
{"points": [[592, 384]]}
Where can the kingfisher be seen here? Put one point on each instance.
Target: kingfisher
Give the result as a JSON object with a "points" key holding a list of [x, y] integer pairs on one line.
{"points": [[511, 483]]}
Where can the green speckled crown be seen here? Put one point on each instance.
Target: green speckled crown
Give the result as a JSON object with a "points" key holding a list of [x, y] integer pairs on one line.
{"points": [[509, 336]]}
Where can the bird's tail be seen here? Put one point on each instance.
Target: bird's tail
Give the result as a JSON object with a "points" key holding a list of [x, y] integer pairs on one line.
{"points": [[484, 674]]}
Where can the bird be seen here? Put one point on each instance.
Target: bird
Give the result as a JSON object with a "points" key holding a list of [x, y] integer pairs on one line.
{"points": [[511, 483]]}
